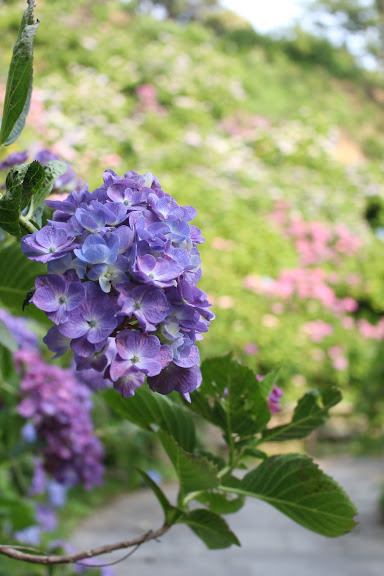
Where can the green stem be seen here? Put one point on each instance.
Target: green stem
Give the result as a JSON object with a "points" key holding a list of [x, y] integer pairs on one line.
{"points": [[224, 471], [191, 496], [30, 212], [27, 225], [228, 489]]}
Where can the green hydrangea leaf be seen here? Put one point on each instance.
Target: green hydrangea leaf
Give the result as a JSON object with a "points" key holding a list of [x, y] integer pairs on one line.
{"points": [[20, 513], [211, 528], [161, 497], [221, 503], [232, 398], [152, 411], [296, 486], [194, 472], [309, 414], [19, 83], [17, 276], [53, 170]]}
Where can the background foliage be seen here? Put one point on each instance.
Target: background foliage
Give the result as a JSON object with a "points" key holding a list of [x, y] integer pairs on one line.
{"points": [[281, 151]]}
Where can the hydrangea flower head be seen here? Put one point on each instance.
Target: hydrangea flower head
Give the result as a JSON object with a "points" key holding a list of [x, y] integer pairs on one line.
{"points": [[123, 265], [58, 407]]}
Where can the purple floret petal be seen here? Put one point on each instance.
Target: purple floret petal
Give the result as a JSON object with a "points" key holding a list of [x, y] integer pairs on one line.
{"points": [[56, 342], [183, 380], [127, 385]]}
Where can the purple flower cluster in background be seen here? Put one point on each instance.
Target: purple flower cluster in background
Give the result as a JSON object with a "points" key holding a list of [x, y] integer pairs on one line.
{"points": [[59, 409], [56, 404], [20, 330], [65, 181], [14, 159], [123, 264], [45, 512]]}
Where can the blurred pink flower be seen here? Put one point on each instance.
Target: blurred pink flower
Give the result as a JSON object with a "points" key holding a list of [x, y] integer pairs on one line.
{"points": [[148, 102], [111, 160], [371, 331], [333, 277], [254, 283], [277, 308], [225, 302], [348, 323], [64, 151], [244, 125], [317, 330], [349, 304], [222, 244], [340, 363], [250, 349], [211, 298], [36, 116], [335, 352], [317, 242], [353, 280]]}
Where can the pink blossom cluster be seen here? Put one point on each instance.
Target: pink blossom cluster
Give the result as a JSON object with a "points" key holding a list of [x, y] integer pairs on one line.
{"points": [[339, 361], [36, 116], [317, 330], [244, 125], [148, 101], [304, 283], [371, 331], [316, 242]]}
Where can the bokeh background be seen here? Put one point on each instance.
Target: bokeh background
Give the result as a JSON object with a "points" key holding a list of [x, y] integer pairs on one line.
{"points": [[268, 119]]}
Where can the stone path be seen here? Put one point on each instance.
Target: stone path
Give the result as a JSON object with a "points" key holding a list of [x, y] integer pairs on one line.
{"points": [[272, 545]]}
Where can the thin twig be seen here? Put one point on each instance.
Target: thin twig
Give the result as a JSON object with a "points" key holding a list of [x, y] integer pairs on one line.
{"points": [[110, 563], [16, 554], [114, 562]]}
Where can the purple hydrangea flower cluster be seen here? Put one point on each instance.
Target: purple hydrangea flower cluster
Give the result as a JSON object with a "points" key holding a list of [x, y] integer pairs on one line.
{"points": [[59, 408], [123, 264], [13, 159]]}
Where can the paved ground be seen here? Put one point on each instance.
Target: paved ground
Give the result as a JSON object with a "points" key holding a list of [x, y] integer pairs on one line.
{"points": [[272, 545]]}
